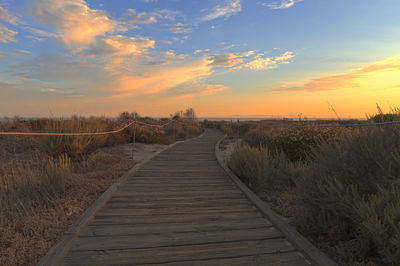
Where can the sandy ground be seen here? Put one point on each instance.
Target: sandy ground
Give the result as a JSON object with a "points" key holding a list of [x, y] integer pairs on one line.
{"points": [[141, 151], [226, 147]]}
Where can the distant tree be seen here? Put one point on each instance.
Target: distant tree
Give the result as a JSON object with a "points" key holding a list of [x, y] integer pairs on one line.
{"points": [[177, 116], [126, 116], [189, 114]]}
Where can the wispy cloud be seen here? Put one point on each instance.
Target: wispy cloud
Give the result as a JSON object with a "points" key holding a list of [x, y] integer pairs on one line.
{"points": [[282, 4], [23, 51], [120, 45], [180, 28], [140, 18], [195, 89], [39, 32], [7, 35], [225, 60], [7, 17], [388, 69], [264, 63], [198, 51], [231, 8]]}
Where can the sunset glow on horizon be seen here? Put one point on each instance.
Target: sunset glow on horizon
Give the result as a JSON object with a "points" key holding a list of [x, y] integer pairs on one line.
{"points": [[224, 58]]}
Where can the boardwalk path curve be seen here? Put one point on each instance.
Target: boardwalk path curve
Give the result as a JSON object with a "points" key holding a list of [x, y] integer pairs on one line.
{"points": [[181, 208]]}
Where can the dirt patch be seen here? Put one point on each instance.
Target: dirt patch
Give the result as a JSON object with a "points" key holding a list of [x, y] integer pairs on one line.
{"points": [[226, 147]]}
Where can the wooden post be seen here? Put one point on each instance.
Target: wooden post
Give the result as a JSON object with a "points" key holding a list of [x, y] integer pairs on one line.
{"points": [[134, 136], [174, 127]]}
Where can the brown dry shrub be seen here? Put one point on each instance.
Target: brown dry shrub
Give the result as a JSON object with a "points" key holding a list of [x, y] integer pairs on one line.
{"points": [[40, 198]]}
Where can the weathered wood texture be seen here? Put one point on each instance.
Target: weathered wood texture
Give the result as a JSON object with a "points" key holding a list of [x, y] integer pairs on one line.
{"points": [[181, 208]]}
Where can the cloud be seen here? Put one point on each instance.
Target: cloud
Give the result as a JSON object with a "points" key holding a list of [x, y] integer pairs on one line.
{"points": [[39, 32], [264, 63], [179, 28], [157, 80], [172, 55], [120, 45], [6, 34], [225, 60], [7, 17], [34, 38], [75, 23], [23, 51], [200, 51], [383, 74], [194, 89], [282, 4], [284, 57], [140, 18], [233, 7], [247, 54]]}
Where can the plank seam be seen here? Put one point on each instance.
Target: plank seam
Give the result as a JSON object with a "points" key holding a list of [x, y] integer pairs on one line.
{"points": [[183, 245], [229, 257]]}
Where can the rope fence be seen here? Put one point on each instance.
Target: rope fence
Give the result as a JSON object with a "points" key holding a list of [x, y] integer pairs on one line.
{"points": [[133, 123]]}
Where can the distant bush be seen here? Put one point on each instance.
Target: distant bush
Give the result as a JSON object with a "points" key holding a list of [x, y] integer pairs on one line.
{"points": [[296, 144]]}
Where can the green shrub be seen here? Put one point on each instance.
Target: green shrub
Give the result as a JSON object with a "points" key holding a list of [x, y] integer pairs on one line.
{"points": [[380, 216], [296, 144], [342, 175], [259, 170]]}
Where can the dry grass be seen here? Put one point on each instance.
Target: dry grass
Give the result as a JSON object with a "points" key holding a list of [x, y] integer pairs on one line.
{"points": [[339, 187], [39, 200], [47, 182]]}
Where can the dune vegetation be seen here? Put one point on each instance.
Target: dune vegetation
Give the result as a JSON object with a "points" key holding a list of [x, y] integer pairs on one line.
{"points": [[340, 187], [46, 182]]}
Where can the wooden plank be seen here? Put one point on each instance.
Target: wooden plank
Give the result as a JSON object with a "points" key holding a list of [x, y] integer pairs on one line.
{"points": [[136, 211], [178, 181], [177, 203], [177, 188], [178, 193], [172, 239], [149, 173], [175, 254], [184, 169], [193, 217], [220, 225], [140, 198], [291, 258]]}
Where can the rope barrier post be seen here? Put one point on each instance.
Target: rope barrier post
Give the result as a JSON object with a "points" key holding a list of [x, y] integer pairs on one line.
{"points": [[238, 129], [134, 136], [174, 129]]}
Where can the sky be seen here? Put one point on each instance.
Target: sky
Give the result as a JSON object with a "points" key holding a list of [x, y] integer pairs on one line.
{"points": [[224, 58]]}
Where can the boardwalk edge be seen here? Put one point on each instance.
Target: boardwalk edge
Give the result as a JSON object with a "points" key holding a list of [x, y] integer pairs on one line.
{"points": [[311, 252], [58, 251]]}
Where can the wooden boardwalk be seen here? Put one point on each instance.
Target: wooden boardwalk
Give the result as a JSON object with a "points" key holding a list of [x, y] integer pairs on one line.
{"points": [[181, 208]]}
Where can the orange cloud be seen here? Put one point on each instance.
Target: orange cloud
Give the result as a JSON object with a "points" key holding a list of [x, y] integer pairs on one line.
{"points": [[6, 34], [225, 60], [261, 63], [7, 17], [162, 79], [382, 74], [74, 21], [120, 45]]}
